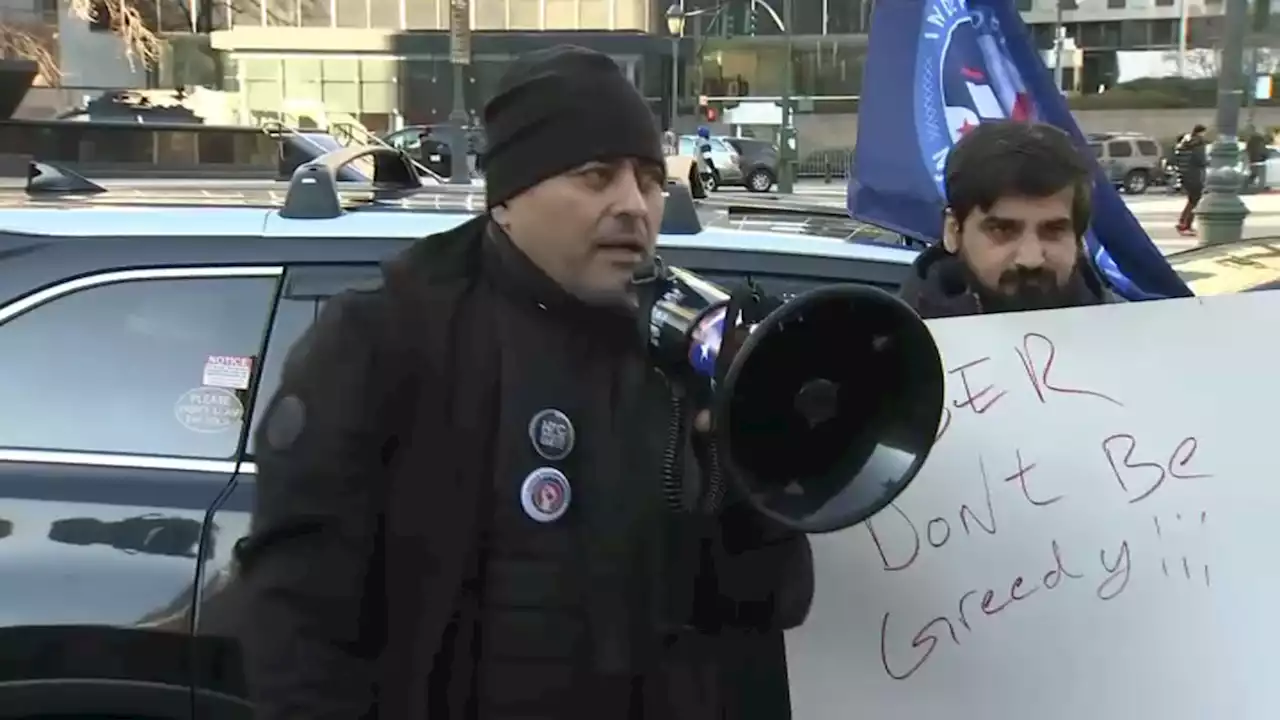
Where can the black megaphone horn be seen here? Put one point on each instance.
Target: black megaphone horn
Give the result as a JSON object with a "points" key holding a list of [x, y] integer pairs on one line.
{"points": [[824, 407]]}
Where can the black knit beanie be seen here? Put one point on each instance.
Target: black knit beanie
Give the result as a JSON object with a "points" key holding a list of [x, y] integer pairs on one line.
{"points": [[557, 109]]}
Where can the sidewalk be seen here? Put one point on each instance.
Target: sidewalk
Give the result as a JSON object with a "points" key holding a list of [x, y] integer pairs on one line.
{"points": [[1263, 204]]}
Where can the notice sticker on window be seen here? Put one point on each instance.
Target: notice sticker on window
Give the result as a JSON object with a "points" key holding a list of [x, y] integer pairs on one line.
{"points": [[209, 410], [227, 371]]}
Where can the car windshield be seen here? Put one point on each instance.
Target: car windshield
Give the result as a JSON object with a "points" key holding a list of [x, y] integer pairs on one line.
{"points": [[1231, 267], [327, 143]]}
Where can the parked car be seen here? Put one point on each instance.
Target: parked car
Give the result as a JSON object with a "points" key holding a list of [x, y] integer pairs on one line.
{"points": [[726, 165], [1130, 160], [142, 330], [430, 145], [759, 162]]}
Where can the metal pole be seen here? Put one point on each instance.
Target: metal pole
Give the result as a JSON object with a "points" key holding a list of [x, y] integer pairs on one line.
{"points": [[1221, 211], [1182, 38], [675, 80], [1059, 31], [1250, 86], [696, 84], [786, 153], [459, 57]]}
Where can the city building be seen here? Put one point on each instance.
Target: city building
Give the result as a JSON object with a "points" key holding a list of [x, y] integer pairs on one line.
{"points": [[387, 62], [1103, 28]]}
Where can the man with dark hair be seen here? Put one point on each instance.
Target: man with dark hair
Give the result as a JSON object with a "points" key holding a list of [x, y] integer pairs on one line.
{"points": [[1191, 160], [460, 508], [1018, 205]]}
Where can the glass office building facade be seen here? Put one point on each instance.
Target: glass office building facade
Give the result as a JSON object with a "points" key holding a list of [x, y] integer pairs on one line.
{"points": [[387, 61], [410, 80]]}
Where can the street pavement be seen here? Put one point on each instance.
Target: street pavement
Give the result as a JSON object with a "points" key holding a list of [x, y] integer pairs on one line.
{"points": [[1157, 210]]}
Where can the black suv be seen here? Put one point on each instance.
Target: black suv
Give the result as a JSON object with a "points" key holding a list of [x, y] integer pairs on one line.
{"points": [[140, 332]]}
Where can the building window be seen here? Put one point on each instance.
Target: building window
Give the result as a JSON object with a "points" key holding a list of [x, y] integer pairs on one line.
{"points": [[848, 18], [120, 368], [1115, 4], [282, 13], [351, 13], [246, 13], [315, 13], [426, 14]]}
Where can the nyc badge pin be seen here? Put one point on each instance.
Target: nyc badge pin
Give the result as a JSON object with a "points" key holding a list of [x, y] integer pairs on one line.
{"points": [[545, 495], [552, 434]]}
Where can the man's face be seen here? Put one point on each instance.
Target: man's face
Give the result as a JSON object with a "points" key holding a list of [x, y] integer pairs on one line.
{"points": [[592, 227], [1022, 251]]}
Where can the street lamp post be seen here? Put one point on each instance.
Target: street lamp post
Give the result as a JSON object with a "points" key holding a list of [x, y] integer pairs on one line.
{"points": [[459, 58], [786, 145], [1221, 211], [675, 25], [1059, 36]]}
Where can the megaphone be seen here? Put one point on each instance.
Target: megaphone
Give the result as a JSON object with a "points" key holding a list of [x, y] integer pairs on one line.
{"points": [[824, 407]]}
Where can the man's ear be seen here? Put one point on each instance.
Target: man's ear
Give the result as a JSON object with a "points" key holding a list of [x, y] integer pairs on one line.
{"points": [[950, 232]]}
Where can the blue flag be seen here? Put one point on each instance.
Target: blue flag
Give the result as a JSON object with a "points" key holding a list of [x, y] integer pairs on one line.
{"points": [[938, 67]]}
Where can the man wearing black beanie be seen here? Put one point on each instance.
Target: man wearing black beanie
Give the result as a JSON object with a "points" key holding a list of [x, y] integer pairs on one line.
{"points": [[459, 496]]}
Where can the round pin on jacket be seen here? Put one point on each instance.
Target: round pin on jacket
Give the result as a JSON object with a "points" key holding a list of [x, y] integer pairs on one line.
{"points": [[552, 434], [545, 495]]}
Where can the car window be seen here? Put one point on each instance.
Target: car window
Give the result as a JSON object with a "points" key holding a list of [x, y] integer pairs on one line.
{"points": [[785, 274], [722, 146], [1097, 149], [406, 140], [686, 146], [1272, 153], [292, 319], [1119, 149], [307, 289], [152, 367], [1148, 147]]}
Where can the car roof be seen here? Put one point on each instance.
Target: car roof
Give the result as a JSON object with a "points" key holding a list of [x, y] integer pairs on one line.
{"points": [[270, 218], [140, 220]]}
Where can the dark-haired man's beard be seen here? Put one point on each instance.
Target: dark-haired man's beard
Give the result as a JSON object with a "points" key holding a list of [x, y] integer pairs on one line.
{"points": [[1023, 289]]}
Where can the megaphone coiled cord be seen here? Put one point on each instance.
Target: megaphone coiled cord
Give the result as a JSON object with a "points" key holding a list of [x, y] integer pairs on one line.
{"points": [[673, 489], [672, 482], [715, 493]]}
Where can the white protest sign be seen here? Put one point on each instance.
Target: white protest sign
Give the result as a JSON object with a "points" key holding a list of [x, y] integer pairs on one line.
{"points": [[1091, 538]]}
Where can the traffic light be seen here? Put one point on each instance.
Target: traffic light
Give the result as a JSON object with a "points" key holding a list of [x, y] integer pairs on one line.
{"points": [[706, 110]]}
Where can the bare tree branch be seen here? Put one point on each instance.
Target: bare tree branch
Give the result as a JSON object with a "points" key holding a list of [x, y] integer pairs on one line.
{"points": [[34, 41], [131, 20]]}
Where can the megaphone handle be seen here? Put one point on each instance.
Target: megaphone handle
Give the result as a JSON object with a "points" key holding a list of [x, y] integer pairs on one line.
{"points": [[747, 306]]}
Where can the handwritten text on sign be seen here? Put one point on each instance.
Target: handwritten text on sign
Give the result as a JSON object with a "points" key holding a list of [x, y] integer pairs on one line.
{"points": [[1013, 481], [1092, 536]]}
